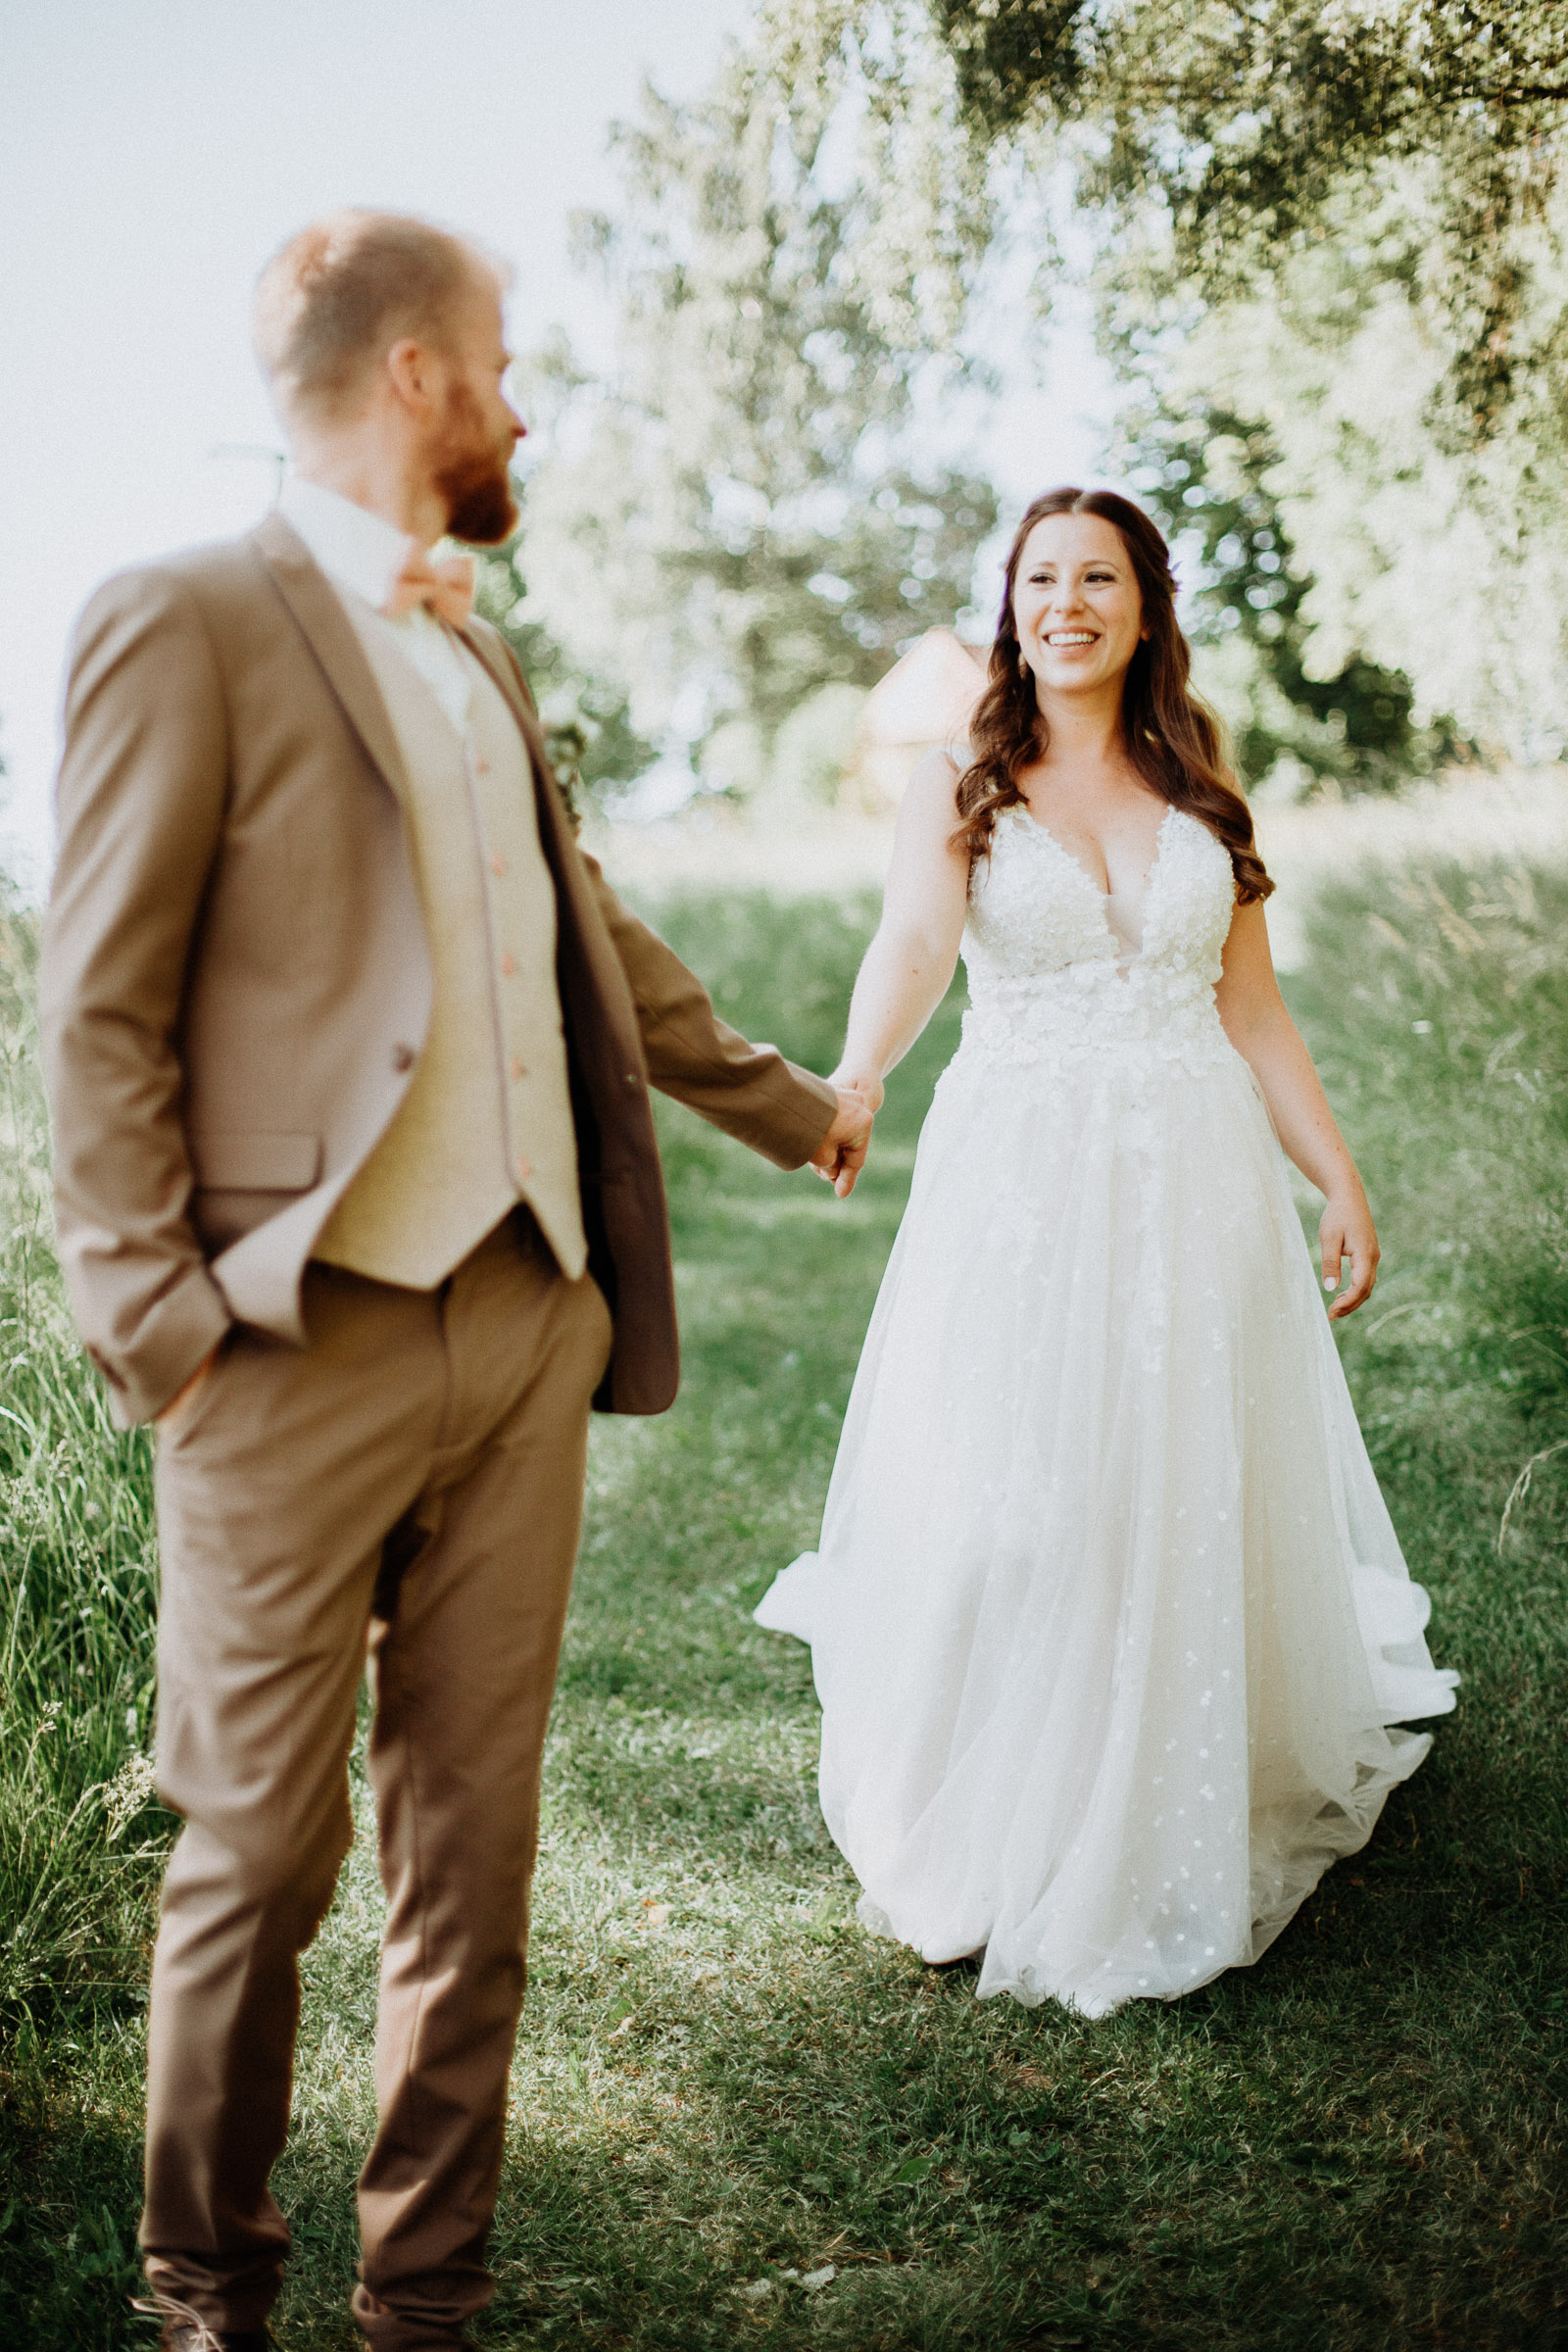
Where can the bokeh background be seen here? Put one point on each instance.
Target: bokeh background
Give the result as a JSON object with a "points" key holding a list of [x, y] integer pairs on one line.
{"points": [[811, 296]]}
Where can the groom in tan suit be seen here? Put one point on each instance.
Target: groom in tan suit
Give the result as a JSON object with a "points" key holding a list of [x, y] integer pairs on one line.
{"points": [[349, 1048]]}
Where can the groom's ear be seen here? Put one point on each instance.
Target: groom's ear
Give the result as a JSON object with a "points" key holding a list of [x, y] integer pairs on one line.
{"points": [[415, 373]]}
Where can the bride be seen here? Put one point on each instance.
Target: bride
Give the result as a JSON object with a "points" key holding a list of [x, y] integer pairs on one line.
{"points": [[1108, 1621]]}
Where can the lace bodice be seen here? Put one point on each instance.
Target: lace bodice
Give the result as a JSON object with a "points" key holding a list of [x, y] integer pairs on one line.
{"points": [[1046, 975]]}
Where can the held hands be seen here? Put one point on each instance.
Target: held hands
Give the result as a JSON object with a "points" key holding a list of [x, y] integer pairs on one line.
{"points": [[866, 1083], [841, 1155], [1347, 1231]]}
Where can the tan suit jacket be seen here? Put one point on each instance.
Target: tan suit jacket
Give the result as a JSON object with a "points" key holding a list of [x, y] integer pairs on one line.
{"points": [[236, 983]]}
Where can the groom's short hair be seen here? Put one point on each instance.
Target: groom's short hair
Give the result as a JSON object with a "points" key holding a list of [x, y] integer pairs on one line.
{"points": [[345, 289]]}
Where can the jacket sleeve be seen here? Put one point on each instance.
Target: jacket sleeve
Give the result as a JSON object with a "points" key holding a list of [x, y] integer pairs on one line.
{"points": [[141, 797], [748, 1090]]}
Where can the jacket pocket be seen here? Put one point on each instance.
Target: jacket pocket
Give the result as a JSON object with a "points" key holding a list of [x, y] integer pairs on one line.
{"points": [[256, 1162]]}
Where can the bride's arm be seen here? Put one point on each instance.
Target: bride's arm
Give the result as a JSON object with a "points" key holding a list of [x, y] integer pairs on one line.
{"points": [[1263, 1033], [910, 962]]}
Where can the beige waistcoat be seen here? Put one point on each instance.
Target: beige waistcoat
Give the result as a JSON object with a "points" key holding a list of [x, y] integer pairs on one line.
{"points": [[487, 1120]]}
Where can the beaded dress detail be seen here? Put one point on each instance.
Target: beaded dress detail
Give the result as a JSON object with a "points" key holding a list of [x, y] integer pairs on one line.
{"points": [[1109, 1620]]}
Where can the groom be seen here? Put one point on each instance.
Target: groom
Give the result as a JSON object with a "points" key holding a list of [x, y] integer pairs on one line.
{"points": [[359, 1201]]}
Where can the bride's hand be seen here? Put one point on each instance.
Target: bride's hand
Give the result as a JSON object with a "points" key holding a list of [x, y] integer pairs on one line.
{"points": [[1347, 1231], [867, 1084]]}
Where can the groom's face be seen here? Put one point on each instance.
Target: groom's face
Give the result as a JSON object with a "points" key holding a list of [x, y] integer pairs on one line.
{"points": [[477, 428]]}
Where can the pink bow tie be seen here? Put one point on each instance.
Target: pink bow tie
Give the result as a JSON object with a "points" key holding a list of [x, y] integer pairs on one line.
{"points": [[445, 589]]}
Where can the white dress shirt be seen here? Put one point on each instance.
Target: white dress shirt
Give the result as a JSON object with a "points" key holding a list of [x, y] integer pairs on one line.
{"points": [[362, 556]]}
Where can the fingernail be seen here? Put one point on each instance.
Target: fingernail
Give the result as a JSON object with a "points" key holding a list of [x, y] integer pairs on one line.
{"points": [[1331, 1282]]}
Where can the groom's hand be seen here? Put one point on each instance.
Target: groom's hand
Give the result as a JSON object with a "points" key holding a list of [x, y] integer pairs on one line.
{"points": [[841, 1155]]}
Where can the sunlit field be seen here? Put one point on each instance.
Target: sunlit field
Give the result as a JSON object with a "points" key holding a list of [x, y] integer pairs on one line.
{"points": [[736, 2118]]}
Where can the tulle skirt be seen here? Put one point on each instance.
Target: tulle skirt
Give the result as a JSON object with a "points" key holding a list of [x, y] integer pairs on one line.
{"points": [[1108, 1621]]}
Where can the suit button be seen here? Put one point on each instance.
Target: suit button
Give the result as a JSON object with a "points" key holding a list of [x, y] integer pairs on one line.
{"points": [[403, 1057], [630, 1078]]}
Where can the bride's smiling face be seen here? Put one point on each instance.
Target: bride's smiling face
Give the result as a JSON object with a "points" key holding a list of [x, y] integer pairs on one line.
{"points": [[1076, 606]]}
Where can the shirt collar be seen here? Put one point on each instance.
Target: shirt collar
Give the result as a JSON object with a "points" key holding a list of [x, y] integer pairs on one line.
{"points": [[353, 547]]}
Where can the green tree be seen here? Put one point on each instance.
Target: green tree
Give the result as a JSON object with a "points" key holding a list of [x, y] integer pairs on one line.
{"points": [[730, 524], [1246, 117], [1204, 474], [1336, 230], [1423, 546]]}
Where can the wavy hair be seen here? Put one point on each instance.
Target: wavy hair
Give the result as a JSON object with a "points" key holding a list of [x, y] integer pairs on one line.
{"points": [[1173, 739]]}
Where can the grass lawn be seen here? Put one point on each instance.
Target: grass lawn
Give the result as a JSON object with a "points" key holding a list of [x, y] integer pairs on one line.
{"points": [[737, 2119]]}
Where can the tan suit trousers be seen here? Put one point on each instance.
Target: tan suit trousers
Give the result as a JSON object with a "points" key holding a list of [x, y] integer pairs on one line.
{"points": [[410, 1482]]}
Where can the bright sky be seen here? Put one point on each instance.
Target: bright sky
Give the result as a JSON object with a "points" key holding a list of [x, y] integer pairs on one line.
{"points": [[154, 152]]}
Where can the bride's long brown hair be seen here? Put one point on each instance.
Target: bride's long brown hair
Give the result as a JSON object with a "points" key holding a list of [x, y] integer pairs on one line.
{"points": [[1173, 739]]}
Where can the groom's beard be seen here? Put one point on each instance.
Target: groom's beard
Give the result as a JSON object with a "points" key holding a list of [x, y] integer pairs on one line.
{"points": [[473, 477]]}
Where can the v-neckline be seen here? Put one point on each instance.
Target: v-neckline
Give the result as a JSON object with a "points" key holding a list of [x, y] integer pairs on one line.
{"points": [[1101, 897]]}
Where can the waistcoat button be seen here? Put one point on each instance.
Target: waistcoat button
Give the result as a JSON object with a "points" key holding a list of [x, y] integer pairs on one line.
{"points": [[403, 1057]]}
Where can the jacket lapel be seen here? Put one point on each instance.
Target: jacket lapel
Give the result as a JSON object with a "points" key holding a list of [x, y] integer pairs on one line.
{"points": [[329, 633], [492, 652]]}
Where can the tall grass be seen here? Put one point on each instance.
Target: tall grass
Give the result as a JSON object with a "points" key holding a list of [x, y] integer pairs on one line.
{"points": [[1441, 1000], [76, 1595], [736, 2119], [1437, 1000]]}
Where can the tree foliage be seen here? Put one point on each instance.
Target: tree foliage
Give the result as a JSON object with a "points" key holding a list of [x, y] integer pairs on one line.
{"points": [[1337, 231], [1320, 196], [1248, 125], [1423, 547], [1204, 473], [728, 524], [1245, 115]]}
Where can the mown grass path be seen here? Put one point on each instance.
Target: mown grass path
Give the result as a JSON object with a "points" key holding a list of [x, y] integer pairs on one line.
{"points": [[738, 2120]]}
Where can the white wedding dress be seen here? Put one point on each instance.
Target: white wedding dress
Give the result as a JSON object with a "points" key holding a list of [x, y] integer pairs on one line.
{"points": [[1108, 1618]]}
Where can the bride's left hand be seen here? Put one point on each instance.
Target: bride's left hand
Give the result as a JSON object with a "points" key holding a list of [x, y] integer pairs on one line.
{"points": [[1347, 1231]]}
